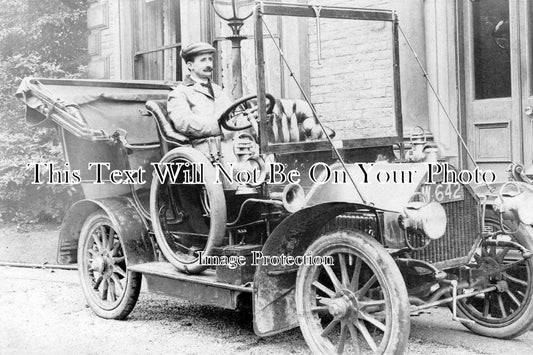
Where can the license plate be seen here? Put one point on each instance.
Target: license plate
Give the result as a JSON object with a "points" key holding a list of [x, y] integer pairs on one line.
{"points": [[443, 193]]}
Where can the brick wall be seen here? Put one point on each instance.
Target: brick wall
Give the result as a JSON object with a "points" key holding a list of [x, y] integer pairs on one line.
{"points": [[353, 87]]}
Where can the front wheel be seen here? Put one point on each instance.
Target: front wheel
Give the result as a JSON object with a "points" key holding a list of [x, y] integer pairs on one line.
{"points": [[357, 305], [110, 289], [508, 311]]}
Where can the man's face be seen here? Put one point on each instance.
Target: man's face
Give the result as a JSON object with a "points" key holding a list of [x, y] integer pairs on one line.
{"points": [[202, 65]]}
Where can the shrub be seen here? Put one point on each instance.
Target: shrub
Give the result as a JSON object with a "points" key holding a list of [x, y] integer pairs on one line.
{"points": [[44, 38]]}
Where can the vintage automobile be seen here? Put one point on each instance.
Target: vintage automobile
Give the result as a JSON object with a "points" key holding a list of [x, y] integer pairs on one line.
{"points": [[348, 260]]}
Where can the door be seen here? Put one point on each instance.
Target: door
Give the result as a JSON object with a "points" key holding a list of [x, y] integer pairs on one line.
{"points": [[526, 65], [498, 85]]}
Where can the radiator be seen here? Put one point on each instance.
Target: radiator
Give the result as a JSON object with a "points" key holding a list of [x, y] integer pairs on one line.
{"points": [[462, 229]]}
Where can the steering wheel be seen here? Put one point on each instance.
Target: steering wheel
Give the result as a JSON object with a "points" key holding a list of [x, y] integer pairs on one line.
{"points": [[238, 116]]}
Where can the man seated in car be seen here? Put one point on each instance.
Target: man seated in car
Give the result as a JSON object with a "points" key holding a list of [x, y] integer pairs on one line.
{"points": [[195, 105]]}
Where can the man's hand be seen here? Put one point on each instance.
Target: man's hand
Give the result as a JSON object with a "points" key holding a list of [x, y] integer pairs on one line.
{"points": [[248, 116]]}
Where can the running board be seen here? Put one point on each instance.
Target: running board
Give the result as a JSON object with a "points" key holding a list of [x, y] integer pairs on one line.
{"points": [[165, 279]]}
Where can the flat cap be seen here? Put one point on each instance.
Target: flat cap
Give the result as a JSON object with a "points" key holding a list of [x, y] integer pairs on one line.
{"points": [[193, 49]]}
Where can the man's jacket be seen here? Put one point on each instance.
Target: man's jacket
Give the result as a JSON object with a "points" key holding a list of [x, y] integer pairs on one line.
{"points": [[194, 111]]}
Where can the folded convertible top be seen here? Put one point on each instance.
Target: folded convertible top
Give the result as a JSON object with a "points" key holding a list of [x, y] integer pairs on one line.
{"points": [[93, 109]]}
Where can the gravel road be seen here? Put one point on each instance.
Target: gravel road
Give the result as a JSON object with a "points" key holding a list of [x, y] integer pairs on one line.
{"points": [[44, 312]]}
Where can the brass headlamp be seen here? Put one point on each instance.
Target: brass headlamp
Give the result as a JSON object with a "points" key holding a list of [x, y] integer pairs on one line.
{"points": [[428, 218], [515, 202]]}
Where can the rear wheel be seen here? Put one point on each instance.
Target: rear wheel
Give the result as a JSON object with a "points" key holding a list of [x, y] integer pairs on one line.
{"points": [[357, 305], [508, 311], [188, 211], [110, 289]]}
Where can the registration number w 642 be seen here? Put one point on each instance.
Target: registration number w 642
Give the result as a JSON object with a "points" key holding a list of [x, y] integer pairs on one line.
{"points": [[443, 193]]}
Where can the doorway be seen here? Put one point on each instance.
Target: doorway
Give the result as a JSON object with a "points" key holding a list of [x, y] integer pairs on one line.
{"points": [[498, 83]]}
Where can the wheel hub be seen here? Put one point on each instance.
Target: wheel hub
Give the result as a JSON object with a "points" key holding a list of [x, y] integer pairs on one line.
{"points": [[338, 308], [344, 305], [492, 266], [101, 264]]}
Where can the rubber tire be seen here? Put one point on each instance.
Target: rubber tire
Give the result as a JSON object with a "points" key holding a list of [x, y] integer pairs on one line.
{"points": [[385, 269], [217, 202], [524, 322], [134, 279]]}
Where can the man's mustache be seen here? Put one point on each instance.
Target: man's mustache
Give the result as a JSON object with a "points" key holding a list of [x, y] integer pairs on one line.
{"points": [[208, 69]]}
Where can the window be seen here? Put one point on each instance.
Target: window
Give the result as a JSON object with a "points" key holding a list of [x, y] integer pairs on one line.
{"points": [[157, 40], [492, 59]]}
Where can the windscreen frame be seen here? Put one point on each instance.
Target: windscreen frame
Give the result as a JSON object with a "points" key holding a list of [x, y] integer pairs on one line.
{"points": [[265, 8]]}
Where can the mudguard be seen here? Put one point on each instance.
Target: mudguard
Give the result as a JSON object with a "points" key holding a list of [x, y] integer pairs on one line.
{"points": [[130, 227], [274, 307], [374, 181]]}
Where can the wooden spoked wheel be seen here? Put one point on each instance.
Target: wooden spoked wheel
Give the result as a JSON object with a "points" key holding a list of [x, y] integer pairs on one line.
{"points": [[110, 289], [357, 305], [506, 312]]}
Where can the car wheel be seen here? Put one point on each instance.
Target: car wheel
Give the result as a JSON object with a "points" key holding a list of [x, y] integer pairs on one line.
{"points": [[110, 289], [188, 210], [357, 305], [507, 312]]}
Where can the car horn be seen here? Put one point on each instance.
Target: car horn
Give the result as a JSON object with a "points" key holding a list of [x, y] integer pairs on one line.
{"points": [[293, 197]]}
